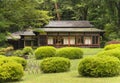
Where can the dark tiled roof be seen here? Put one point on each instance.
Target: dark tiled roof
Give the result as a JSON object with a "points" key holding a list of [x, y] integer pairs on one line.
{"points": [[65, 24], [71, 30], [16, 35]]}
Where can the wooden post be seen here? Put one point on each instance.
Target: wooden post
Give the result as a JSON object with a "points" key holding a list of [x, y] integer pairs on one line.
{"points": [[99, 40], [68, 40], [24, 42]]}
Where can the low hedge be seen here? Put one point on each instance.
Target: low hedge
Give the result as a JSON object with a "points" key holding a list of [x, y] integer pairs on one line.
{"points": [[55, 64], [99, 67], [10, 70], [20, 60], [111, 46], [44, 52], [70, 52], [113, 52]]}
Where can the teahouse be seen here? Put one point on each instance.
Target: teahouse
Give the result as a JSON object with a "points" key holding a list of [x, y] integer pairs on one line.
{"points": [[59, 34]]}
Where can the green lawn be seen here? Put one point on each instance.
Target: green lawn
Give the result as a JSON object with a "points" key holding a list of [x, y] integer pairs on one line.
{"points": [[34, 75]]}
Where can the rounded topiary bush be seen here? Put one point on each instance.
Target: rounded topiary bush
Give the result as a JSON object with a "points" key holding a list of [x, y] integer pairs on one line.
{"points": [[113, 52], [70, 52], [55, 64], [27, 51], [111, 46], [44, 52], [99, 67], [20, 60], [11, 71]]}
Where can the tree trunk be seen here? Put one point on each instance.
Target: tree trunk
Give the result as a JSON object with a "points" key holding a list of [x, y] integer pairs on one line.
{"points": [[56, 8]]}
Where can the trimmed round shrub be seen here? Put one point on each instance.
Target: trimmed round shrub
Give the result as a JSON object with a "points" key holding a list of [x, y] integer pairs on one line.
{"points": [[99, 66], [70, 52], [20, 60], [11, 71], [55, 65], [44, 52], [27, 51], [114, 52], [113, 42], [111, 46], [5, 60]]}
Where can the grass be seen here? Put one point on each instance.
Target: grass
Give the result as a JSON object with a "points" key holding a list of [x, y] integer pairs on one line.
{"points": [[34, 75]]}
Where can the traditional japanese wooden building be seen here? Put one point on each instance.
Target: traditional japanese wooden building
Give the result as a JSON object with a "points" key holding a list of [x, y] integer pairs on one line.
{"points": [[59, 34]]}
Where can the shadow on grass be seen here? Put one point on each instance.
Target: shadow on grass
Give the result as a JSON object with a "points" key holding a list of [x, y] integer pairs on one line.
{"points": [[15, 81], [86, 77]]}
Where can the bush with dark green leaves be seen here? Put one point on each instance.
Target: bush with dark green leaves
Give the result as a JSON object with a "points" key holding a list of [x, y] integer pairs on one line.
{"points": [[111, 46], [113, 52], [70, 52], [10, 70], [44, 52], [20, 60], [99, 66], [55, 64]]}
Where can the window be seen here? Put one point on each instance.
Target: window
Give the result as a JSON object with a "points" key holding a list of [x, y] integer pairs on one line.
{"points": [[87, 40], [58, 40], [65, 40], [95, 40], [80, 40], [72, 40], [28, 43], [50, 40]]}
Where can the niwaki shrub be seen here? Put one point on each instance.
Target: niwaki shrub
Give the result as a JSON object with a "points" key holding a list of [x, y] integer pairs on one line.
{"points": [[70, 52], [11, 71], [111, 46], [20, 60], [99, 66], [44, 52], [113, 52], [55, 64]]}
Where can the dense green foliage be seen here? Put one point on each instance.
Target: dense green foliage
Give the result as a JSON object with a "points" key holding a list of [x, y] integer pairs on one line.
{"points": [[20, 14], [99, 66], [55, 64], [111, 46], [20, 60], [2, 39], [27, 50], [18, 53], [10, 70], [44, 52], [70, 52], [113, 52]]}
